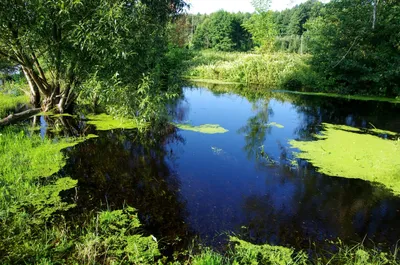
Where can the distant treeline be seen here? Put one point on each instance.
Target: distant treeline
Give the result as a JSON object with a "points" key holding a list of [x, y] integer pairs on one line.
{"points": [[354, 44], [224, 31]]}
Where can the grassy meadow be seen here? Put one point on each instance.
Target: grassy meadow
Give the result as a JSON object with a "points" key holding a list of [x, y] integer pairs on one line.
{"points": [[273, 70]]}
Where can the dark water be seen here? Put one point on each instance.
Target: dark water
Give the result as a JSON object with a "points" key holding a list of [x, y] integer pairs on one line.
{"points": [[190, 185]]}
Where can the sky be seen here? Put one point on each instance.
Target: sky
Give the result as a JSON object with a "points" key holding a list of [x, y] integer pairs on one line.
{"points": [[209, 6]]}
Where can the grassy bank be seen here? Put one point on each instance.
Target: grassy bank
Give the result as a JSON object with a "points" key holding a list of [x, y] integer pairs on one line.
{"points": [[9, 102], [275, 70], [249, 254], [33, 227], [278, 71]]}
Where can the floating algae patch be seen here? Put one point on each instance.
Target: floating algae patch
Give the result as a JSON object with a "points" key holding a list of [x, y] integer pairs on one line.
{"points": [[345, 151], [104, 122], [205, 128], [383, 132], [274, 124]]}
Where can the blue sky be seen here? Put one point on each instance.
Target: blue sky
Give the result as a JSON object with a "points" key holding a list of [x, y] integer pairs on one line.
{"points": [[209, 6]]}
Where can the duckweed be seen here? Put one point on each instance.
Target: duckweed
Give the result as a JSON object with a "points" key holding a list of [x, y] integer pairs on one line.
{"points": [[344, 151], [104, 122], [205, 128]]}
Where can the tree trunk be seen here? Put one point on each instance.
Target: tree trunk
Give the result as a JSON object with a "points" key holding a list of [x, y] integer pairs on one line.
{"points": [[63, 103], [14, 118], [374, 12], [34, 91]]}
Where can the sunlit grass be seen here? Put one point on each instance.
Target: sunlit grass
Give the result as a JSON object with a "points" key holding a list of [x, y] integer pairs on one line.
{"points": [[9, 102], [272, 70]]}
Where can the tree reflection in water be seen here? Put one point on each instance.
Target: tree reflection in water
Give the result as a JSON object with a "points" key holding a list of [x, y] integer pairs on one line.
{"points": [[130, 168]]}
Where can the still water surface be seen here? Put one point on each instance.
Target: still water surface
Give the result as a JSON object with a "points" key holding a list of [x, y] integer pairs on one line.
{"points": [[187, 184]]}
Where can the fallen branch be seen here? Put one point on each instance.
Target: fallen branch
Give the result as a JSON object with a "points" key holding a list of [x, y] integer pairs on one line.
{"points": [[14, 118]]}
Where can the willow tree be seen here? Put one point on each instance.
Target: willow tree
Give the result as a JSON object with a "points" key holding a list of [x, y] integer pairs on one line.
{"points": [[59, 44]]}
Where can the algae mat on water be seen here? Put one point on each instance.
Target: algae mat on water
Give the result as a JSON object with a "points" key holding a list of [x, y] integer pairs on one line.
{"points": [[104, 122], [345, 151], [205, 128]]}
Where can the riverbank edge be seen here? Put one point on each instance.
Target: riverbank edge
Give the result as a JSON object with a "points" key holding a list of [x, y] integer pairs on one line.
{"points": [[321, 94]]}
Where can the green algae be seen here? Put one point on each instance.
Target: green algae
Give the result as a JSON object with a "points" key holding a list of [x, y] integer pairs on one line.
{"points": [[274, 124], [104, 122], [344, 151], [205, 128], [383, 132], [349, 97]]}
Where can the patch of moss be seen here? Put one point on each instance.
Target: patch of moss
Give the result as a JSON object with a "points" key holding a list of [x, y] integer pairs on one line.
{"points": [[205, 128], [104, 122], [345, 151]]}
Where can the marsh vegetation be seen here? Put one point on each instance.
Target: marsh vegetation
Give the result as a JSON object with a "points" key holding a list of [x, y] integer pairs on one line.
{"points": [[135, 133]]}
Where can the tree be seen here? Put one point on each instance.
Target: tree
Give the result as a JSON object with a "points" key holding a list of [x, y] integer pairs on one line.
{"points": [[353, 56], [216, 32], [261, 25], [61, 44], [222, 31]]}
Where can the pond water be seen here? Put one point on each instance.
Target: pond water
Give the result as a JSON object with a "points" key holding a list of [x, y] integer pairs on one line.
{"points": [[189, 185]]}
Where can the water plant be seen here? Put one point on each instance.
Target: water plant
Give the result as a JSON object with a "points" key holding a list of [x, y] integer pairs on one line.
{"points": [[104, 122], [349, 152], [205, 128]]}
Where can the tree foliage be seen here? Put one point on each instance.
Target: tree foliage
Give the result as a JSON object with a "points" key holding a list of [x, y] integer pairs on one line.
{"points": [[222, 31], [353, 53], [262, 29], [61, 44]]}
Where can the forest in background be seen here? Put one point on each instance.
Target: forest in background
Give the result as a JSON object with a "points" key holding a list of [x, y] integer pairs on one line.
{"points": [[73, 56], [353, 46]]}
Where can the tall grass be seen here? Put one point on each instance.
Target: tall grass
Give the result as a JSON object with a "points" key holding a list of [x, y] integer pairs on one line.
{"points": [[276, 70], [244, 253], [8, 103], [33, 229]]}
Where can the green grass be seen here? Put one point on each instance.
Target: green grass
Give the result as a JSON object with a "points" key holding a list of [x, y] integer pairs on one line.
{"points": [[282, 72], [244, 253], [32, 227], [9, 102], [272, 70], [349, 97]]}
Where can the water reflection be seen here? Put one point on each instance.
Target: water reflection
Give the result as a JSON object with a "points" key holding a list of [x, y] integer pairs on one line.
{"points": [[128, 168], [302, 206], [240, 191], [188, 184]]}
